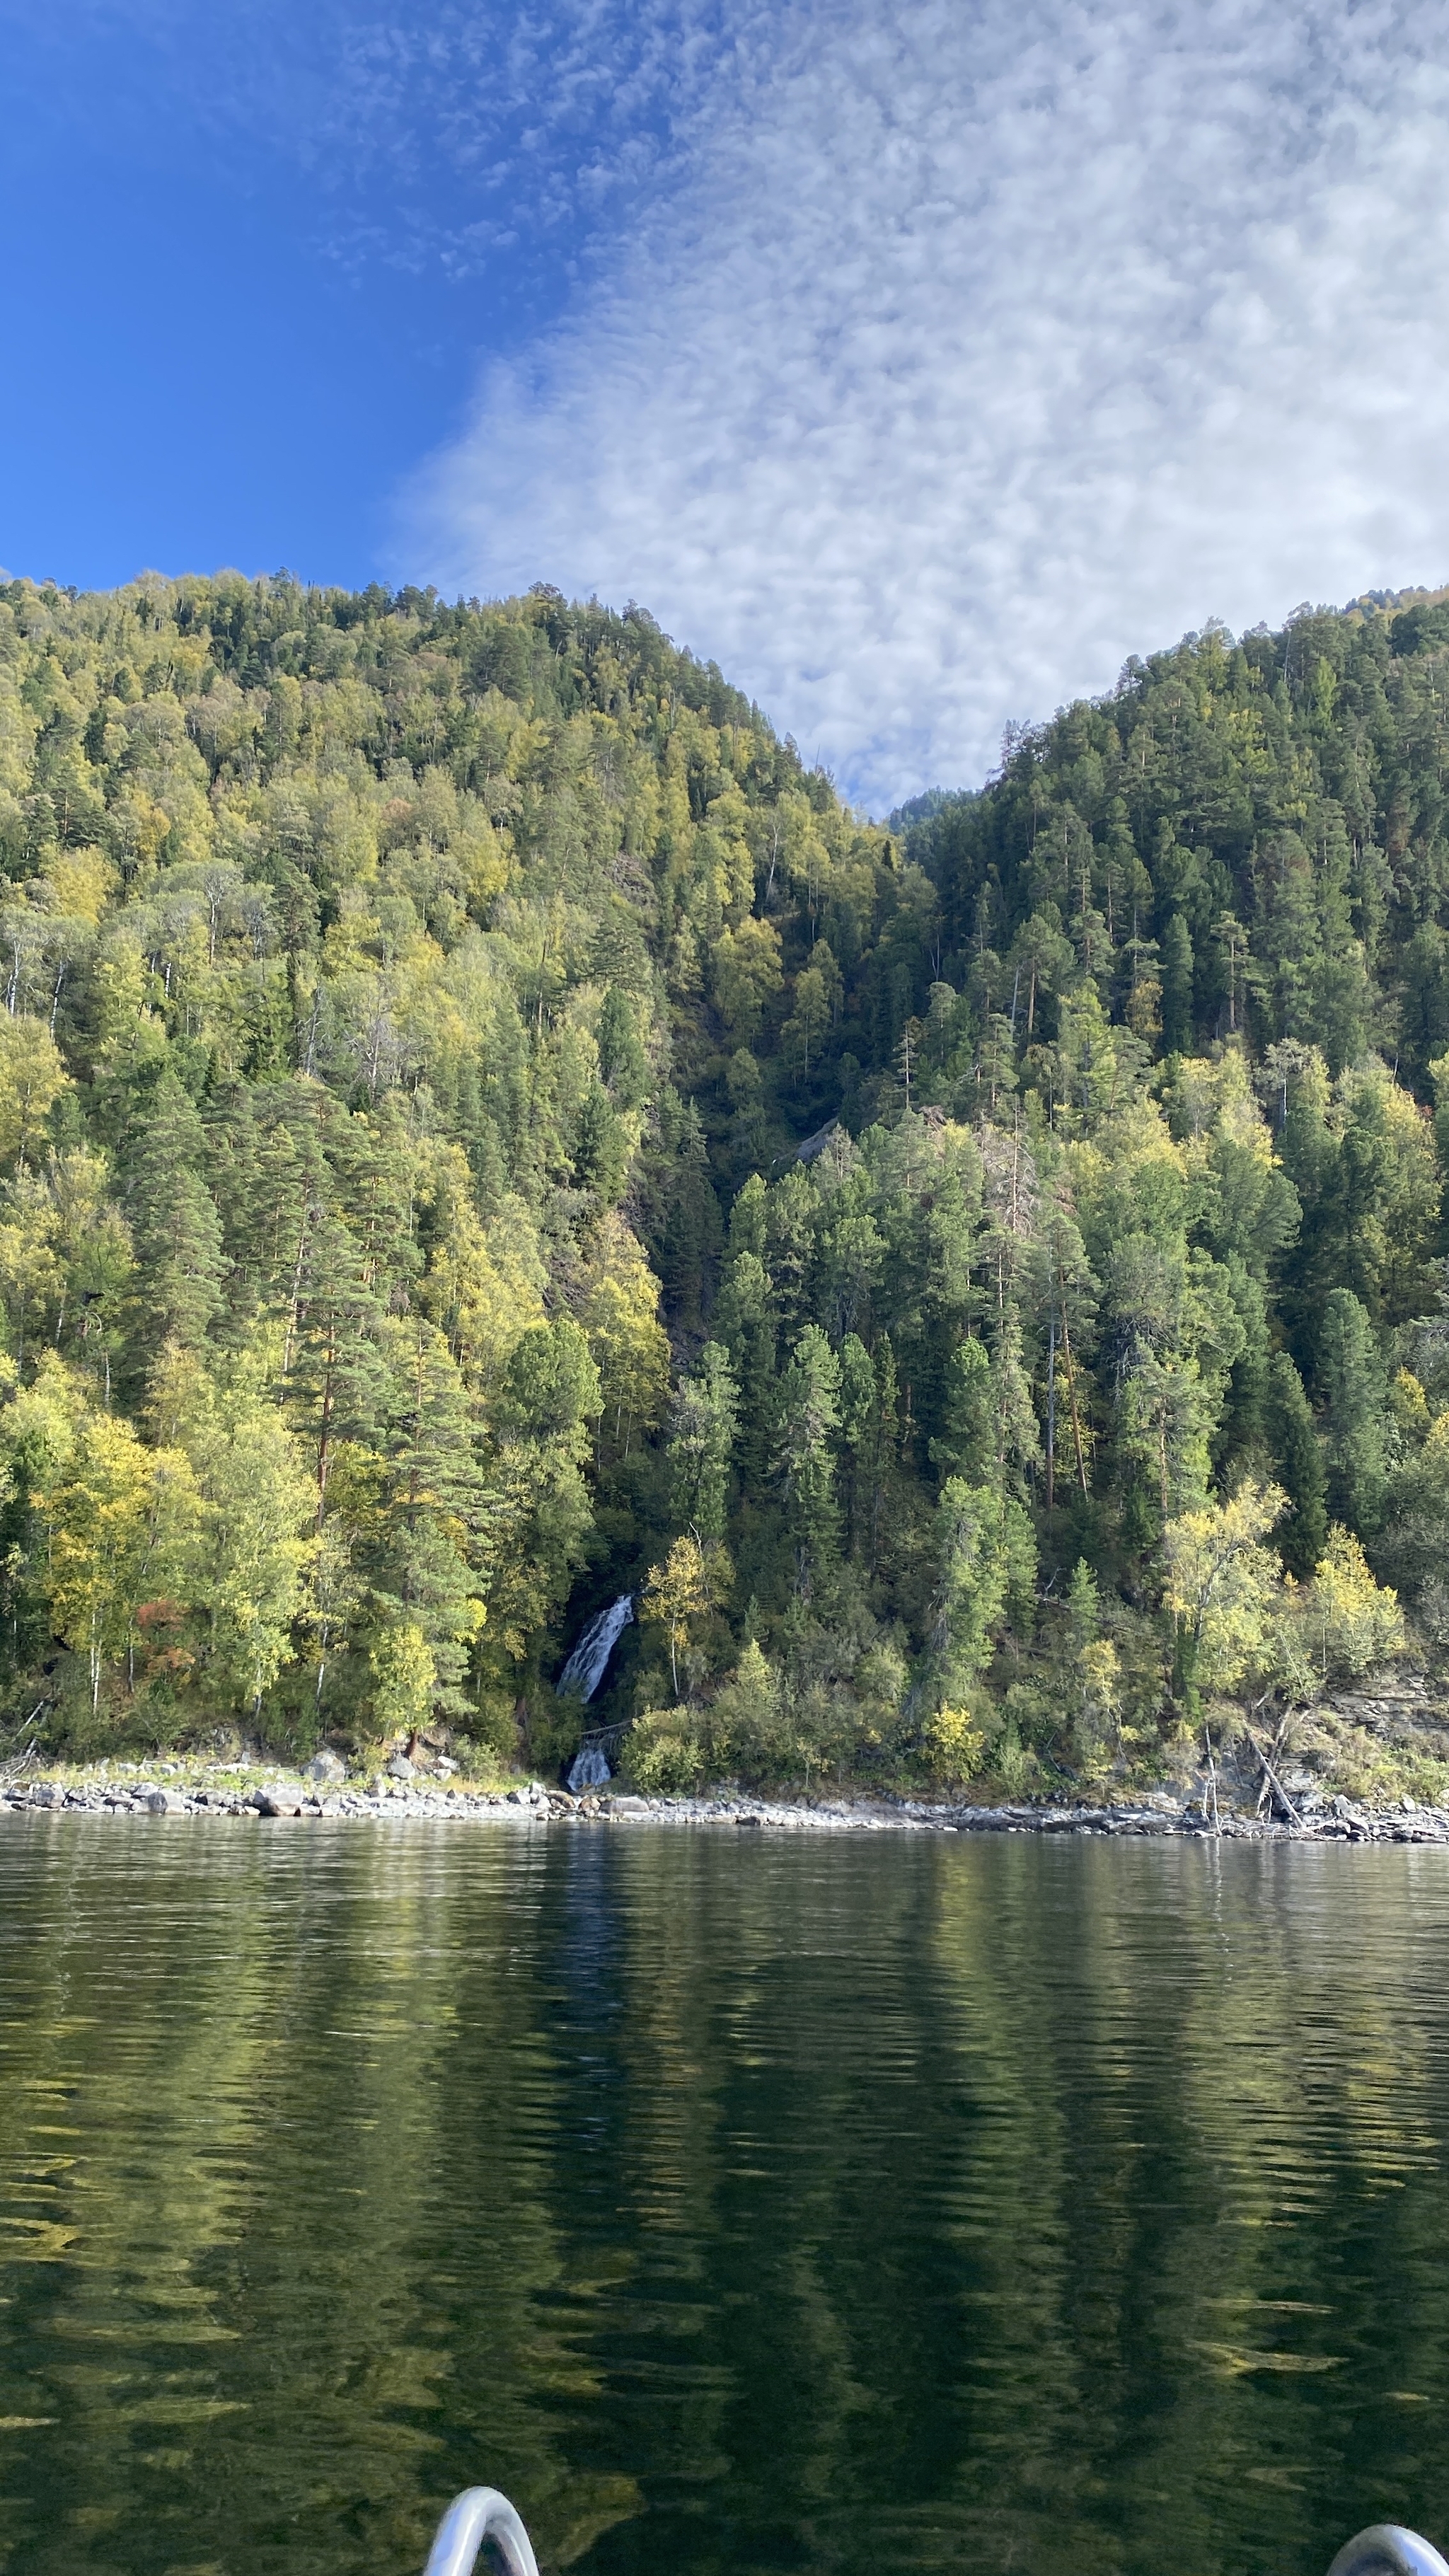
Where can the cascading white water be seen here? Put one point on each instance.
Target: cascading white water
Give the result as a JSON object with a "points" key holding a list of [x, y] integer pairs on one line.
{"points": [[581, 1677], [589, 1769], [584, 1670]]}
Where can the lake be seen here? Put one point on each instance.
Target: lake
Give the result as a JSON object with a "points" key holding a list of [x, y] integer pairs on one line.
{"points": [[869, 2203]]}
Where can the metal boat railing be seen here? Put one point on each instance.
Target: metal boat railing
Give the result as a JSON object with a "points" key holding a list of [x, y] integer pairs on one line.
{"points": [[480, 2517], [1387, 2549]]}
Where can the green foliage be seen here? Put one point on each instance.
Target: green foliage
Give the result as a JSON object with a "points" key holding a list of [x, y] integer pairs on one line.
{"points": [[1298, 1456], [413, 1015], [1220, 1587], [1339, 1626], [1355, 1393]]}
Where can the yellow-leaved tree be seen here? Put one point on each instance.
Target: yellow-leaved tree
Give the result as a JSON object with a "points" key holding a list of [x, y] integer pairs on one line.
{"points": [[120, 1523], [628, 1344], [1221, 1584], [693, 1578], [32, 1078], [1339, 1625], [404, 1677], [255, 1524]]}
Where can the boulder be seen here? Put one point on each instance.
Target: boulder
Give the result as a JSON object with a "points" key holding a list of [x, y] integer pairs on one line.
{"points": [[276, 1802], [326, 1765], [163, 1802]]}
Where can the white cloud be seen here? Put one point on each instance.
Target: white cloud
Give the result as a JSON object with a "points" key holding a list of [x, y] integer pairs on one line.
{"points": [[470, 134], [972, 351]]}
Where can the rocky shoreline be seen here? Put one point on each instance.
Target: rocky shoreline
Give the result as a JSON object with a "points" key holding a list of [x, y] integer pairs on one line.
{"points": [[316, 1796]]}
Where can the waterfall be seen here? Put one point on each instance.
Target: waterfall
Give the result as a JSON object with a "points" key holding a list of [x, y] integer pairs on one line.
{"points": [[581, 1677], [589, 1769], [584, 1670]]}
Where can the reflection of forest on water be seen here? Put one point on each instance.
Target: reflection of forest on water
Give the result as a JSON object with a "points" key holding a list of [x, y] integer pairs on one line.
{"points": [[865, 2205]]}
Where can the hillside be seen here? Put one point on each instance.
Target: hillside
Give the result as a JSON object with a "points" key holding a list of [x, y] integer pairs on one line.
{"points": [[412, 1017]]}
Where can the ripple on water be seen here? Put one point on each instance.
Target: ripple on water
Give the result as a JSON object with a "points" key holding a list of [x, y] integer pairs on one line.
{"points": [[857, 2205]]}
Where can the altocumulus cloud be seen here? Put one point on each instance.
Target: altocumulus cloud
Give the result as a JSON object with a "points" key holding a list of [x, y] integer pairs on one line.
{"points": [[968, 349]]}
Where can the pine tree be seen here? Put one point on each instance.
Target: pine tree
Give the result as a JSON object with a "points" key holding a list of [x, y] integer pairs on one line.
{"points": [[971, 1584], [175, 1229], [808, 1415], [623, 1065], [1354, 1385], [1177, 986], [337, 1382], [702, 1432], [422, 1567]]}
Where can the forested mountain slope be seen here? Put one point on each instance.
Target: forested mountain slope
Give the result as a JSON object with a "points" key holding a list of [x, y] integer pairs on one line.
{"points": [[412, 1017]]}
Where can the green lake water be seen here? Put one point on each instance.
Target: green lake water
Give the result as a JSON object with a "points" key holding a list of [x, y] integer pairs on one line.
{"points": [[873, 2204]]}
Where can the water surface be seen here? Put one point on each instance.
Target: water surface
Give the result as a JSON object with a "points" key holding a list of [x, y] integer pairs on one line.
{"points": [[867, 2205]]}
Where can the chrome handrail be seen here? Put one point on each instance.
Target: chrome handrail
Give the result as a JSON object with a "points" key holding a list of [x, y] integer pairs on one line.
{"points": [[479, 2514], [1387, 2549]]}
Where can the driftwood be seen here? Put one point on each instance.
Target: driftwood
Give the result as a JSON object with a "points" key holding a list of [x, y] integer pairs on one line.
{"points": [[1273, 1782], [19, 1756]]}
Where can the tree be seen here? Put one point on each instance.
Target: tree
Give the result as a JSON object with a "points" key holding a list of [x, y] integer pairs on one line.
{"points": [[684, 1588], [805, 1030], [1298, 1458], [1354, 1385], [808, 1416], [404, 1678], [539, 1512], [31, 1279], [120, 1521], [1220, 1584], [620, 1315], [1341, 1624], [175, 1228], [338, 1384], [257, 1507], [747, 976], [701, 1443], [32, 1079], [971, 1584], [623, 1065], [745, 1323], [1043, 960], [423, 1567], [1177, 986], [966, 1444]]}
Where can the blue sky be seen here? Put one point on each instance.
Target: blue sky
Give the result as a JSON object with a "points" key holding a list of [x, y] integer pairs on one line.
{"points": [[253, 256], [918, 363]]}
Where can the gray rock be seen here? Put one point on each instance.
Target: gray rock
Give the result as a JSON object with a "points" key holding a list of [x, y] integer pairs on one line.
{"points": [[399, 1767], [163, 1802], [47, 1793], [326, 1765], [276, 1802]]}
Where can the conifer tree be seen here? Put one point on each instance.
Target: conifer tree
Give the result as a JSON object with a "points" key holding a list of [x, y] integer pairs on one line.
{"points": [[1298, 1460], [434, 1511], [1354, 1385], [701, 1444], [808, 1416], [175, 1229]]}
